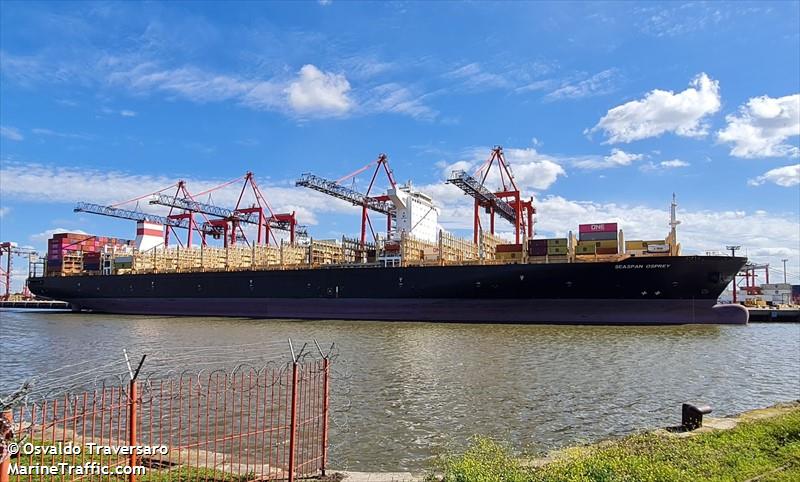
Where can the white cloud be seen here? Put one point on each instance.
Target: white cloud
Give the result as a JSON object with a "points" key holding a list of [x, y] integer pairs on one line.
{"points": [[617, 158], [447, 169], [531, 169], [395, 98], [63, 135], [50, 184], [681, 19], [763, 126], [674, 163], [127, 113], [663, 111], [786, 176], [311, 93], [4, 210], [11, 133], [473, 77], [664, 165], [315, 91], [41, 238], [188, 82], [598, 84]]}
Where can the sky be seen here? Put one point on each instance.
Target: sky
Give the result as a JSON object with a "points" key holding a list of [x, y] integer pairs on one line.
{"points": [[603, 110]]}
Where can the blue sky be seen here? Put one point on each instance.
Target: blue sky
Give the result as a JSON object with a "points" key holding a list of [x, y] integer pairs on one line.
{"points": [[604, 109]]}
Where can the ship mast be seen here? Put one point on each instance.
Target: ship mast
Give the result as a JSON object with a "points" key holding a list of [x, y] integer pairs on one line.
{"points": [[673, 224]]}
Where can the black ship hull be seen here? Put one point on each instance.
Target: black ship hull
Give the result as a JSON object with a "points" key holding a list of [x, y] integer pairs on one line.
{"points": [[651, 290]]}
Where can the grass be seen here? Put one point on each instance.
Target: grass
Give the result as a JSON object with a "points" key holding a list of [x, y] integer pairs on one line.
{"points": [[766, 450]]}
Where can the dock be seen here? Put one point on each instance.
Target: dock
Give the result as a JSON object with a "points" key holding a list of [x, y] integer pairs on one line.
{"points": [[774, 315]]}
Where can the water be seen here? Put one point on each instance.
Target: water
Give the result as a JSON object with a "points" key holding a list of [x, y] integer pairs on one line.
{"points": [[417, 388]]}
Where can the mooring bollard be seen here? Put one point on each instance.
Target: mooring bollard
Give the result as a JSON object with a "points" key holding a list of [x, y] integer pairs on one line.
{"points": [[692, 415]]}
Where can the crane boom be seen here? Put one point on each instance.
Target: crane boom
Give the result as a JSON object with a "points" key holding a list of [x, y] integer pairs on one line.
{"points": [[485, 197], [332, 188], [128, 214], [198, 207]]}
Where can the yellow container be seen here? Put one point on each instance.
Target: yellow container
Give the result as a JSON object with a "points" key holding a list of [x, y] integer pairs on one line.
{"points": [[635, 245], [557, 250], [588, 248], [657, 241], [557, 242], [609, 243]]}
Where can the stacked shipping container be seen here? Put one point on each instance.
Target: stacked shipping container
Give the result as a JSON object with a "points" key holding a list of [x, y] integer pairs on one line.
{"points": [[509, 252], [548, 247], [70, 253], [599, 238]]}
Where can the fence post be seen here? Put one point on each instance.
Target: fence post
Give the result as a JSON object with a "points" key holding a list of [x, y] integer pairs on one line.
{"points": [[132, 409], [293, 427], [325, 406], [8, 419]]}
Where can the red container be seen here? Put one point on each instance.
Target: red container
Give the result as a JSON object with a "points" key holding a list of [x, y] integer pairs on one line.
{"points": [[509, 248], [606, 251], [537, 242], [597, 228]]}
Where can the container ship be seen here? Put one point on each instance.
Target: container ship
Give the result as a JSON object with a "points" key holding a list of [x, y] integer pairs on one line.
{"points": [[416, 271]]}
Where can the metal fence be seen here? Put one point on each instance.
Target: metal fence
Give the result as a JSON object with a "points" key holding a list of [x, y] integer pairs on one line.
{"points": [[245, 424]]}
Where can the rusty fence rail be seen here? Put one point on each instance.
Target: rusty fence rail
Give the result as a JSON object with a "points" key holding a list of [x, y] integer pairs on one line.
{"points": [[245, 424]]}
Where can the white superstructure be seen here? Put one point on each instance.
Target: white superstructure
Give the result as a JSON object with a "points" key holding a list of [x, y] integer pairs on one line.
{"points": [[149, 235], [416, 213]]}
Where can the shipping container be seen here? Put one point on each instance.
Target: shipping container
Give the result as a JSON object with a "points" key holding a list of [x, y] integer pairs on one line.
{"points": [[508, 248], [508, 256], [585, 248], [538, 250], [658, 248], [556, 250], [598, 236], [635, 245], [597, 228], [606, 251], [557, 242]]}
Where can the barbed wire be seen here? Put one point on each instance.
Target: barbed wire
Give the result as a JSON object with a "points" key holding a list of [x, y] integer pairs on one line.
{"points": [[175, 362]]}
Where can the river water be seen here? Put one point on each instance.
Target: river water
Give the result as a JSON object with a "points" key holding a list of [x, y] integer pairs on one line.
{"points": [[406, 391]]}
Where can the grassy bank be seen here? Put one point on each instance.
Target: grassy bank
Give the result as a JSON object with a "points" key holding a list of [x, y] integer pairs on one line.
{"points": [[760, 450]]}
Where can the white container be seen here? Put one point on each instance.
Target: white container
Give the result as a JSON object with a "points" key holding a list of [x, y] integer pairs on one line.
{"points": [[658, 248]]}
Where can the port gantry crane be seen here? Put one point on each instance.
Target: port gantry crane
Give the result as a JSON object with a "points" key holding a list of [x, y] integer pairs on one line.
{"points": [[10, 250], [381, 204], [516, 211], [232, 219], [226, 227]]}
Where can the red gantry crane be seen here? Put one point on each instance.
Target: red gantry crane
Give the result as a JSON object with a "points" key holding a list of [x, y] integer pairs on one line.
{"points": [[227, 223], [231, 220], [381, 204], [507, 203], [10, 249]]}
